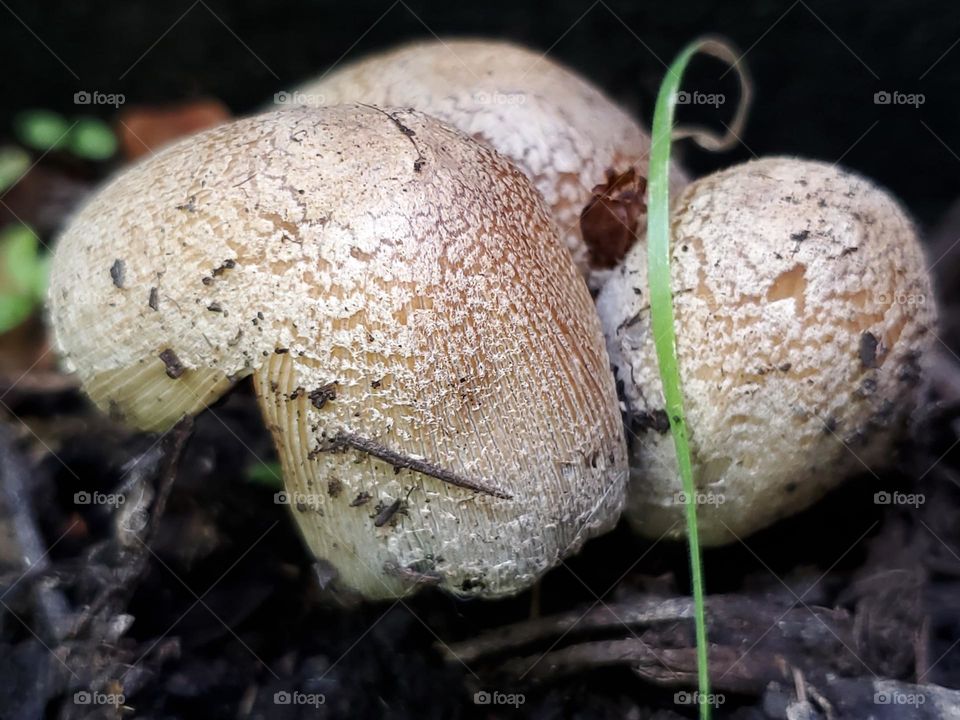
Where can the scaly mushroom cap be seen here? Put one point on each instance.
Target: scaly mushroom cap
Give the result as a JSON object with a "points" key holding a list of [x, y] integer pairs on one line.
{"points": [[561, 130], [410, 319], [803, 313]]}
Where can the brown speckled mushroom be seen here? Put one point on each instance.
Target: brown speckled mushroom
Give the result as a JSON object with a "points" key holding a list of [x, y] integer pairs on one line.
{"points": [[561, 130], [803, 311], [426, 355]]}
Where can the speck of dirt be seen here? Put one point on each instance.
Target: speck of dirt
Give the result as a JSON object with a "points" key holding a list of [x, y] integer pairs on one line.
{"points": [[868, 350], [784, 367], [154, 300], [118, 272], [334, 487], [656, 420], [323, 394], [172, 363], [298, 393], [214, 307], [361, 499]]}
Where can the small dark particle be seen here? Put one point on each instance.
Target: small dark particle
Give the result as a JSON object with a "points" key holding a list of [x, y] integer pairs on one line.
{"points": [[334, 487], [207, 281], [656, 420], [117, 272], [323, 394], [174, 367], [154, 299], [259, 315], [282, 351], [868, 350], [225, 265], [800, 236], [471, 583], [784, 367], [189, 206], [848, 251], [909, 371], [361, 499], [376, 384], [214, 307], [386, 514], [868, 387], [298, 393]]}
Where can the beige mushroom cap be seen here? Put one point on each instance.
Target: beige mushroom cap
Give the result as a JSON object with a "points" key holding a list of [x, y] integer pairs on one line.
{"points": [[383, 278], [561, 130], [803, 315]]}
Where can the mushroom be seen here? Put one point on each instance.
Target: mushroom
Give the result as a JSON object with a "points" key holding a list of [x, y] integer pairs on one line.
{"points": [[567, 136], [803, 315], [425, 354]]}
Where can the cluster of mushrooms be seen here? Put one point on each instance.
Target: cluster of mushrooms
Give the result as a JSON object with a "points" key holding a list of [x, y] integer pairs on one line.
{"points": [[404, 266]]}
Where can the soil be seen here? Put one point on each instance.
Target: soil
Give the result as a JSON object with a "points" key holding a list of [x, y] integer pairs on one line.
{"points": [[194, 596]]}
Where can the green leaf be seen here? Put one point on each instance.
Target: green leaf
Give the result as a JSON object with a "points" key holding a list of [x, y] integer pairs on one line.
{"points": [[19, 250], [14, 309], [14, 162], [265, 473], [661, 308], [41, 129], [92, 139], [23, 274]]}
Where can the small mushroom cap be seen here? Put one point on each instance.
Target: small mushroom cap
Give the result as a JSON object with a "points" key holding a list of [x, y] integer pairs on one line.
{"points": [[560, 129], [803, 313], [383, 277]]}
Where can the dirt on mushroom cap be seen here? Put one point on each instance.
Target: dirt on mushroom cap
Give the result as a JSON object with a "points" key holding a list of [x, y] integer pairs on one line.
{"points": [[402, 272], [804, 313], [560, 129]]}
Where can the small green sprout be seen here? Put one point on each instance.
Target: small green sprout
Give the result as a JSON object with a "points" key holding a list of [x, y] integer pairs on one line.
{"points": [[23, 275]]}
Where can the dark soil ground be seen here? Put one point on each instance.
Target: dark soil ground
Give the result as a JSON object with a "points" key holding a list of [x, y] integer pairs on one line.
{"points": [[196, 599]]}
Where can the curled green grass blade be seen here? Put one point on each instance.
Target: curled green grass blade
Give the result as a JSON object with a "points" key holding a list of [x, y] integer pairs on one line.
{"points": [[661, 307]]}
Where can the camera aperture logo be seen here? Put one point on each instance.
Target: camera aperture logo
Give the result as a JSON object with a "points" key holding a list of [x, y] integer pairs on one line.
{"points": [[301, 501], [495, 697], [895, 697], [886, 97], [295, 97], [695, 698], [699, 498], [88, 697], [95, 97], [98, 498], [898, 498], [695, 97], [284, 697]]}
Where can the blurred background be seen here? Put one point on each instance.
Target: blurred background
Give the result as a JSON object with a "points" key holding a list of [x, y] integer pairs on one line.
{"points": [[817, 64]]}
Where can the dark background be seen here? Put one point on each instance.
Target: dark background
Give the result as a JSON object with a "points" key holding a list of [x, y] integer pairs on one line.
{"points": [[816, 64]]}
